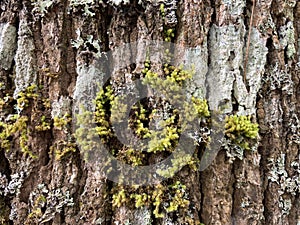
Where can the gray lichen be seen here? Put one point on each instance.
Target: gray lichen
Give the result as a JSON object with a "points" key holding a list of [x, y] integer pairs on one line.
{"points": [[142, 216], [61, 107], [8, 45], [118, 2], [287, 38], [196, 57], [85, 5], [83, 44], [227, 51], [226, 45], [40, 7], [86, 87], [232, 151], [289, 184], [53, 200], [25, 59], [279, 79], [255, 70], [11, 188], [235, 8], [170, 7], [3, 183]]}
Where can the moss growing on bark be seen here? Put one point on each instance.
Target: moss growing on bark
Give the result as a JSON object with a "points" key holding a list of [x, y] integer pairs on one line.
{"points": [[241, 130]]}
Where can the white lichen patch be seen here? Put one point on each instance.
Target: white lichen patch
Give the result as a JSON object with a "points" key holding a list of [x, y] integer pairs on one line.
{"points": [[8, 45], [11, 188], [119, 2], [25, 59], [255, 70], [41, 7], [84, 44], [279, 79], [232, 151], [85, 5], [225, 79], [61, 107], [234, 7], [90, 78], [142, 216], [196, 59], [226, 56], [54, 201], [289, 184], [287, 39]]}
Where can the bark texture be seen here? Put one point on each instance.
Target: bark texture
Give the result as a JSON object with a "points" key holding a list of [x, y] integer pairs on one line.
{"points": [[53, 44]]}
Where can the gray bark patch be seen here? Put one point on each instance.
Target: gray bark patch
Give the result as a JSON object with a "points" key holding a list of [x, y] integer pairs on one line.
{"points": [[8, 45]]}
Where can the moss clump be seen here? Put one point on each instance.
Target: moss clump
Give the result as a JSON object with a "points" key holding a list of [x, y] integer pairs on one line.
{"points": [[16, 127], [162, 9], [131, 156], [169, 34], [24, 97], [62, 149], [201, 107], [61, 123], [119, 198], [165, 139], [44, 124], [163, 198], [139, 121], [241, 130], [103, 101]]}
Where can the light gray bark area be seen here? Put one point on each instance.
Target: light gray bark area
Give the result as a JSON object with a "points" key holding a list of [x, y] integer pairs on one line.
{"points": [[8, 45], [25, 59], [197, 59], [90, 79], [225, 76], [255, 69], [226, 57]]}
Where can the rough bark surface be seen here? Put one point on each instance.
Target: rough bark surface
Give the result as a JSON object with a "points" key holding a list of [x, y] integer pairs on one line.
{"points": [[37, 47]]}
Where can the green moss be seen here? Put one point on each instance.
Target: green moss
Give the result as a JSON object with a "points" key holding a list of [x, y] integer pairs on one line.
{"points": [[63, 149], [119, 198], [162, 9], [131, 156], [17, 127], [169, 82], [164, 199], [24, 97], [140, 199], [201, 107], [61, 123], [104, 100], [165, 139], [44, 124], [178, 162], [240, 130], [139, 122]]}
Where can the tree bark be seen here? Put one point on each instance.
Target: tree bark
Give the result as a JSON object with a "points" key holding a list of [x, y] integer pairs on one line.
{"points": [[48, 44]]}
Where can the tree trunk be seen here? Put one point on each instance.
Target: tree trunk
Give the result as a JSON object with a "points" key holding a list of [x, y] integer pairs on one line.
{"points": [[53, 56]]}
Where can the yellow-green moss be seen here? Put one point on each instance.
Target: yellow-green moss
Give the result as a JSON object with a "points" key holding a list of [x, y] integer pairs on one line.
{"points": [[164, 199], [240, 130], [103, 101], [25, 96], [62, 149], [60, 123], [17, 127], [119, 198], [43, 124]]}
